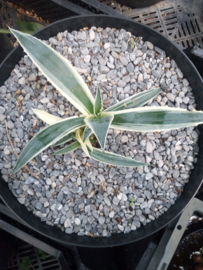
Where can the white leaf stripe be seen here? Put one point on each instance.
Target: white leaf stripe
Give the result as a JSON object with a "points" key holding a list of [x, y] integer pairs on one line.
{"points": [[58, 71]]}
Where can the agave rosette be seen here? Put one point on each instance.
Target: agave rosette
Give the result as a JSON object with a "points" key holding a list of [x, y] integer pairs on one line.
{"points": [[124, 115]]}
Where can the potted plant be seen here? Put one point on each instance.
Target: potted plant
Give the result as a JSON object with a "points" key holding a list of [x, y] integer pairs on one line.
{"points": [[93, 118]]}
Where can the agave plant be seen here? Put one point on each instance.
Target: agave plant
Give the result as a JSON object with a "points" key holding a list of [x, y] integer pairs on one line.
{"points": [[124, 115]]}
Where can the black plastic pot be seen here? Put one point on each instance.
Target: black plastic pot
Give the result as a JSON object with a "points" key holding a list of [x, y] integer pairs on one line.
{"points": [[138, 3], [190, 189]]}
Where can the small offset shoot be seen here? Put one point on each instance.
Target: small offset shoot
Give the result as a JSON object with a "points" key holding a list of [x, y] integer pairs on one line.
{"points": [[90, 130]]}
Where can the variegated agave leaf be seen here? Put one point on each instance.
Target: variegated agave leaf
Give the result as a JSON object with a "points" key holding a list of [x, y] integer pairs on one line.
{"points": [[149, 119], [98, 106], [58, 71], [87, 132], [47, 117], [113, 159], [135, 101], [100, 126], [71, 147], [47, 137]]}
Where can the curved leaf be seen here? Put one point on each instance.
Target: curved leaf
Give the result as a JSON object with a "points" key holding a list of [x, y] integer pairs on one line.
{"points": [[135, 101], [71, 147], [65, 139], [98, 106], [47, 137], [47, 117], [80, 140], [87, 132], [150, 119], [100, 126], [58, 71], [113, 159]]}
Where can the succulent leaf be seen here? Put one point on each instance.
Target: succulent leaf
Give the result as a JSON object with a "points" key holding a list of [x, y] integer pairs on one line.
{"points": [[100, 126], [79, 138], [98, 106], [113, 159], [87, 132], [47, 137], [71, 147], [47, 117], [65, 139], [135, 101], [58, 71], [149, 119]]}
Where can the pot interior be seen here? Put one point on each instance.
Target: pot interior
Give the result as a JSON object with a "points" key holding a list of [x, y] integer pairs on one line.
{"points": [[190, 189]]}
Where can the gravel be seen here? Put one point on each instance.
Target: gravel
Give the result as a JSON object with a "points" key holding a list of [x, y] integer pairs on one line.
{"points": [[73, 192]]}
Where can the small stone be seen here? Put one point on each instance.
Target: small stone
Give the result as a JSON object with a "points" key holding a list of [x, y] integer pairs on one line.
{"points": [[77, 221], [156, 74], [21, 81], [115, 200], [44, 100], [124, 139], [59, 37], [103, 69], [101, 220], [179, 73], [149, 176], [149, 45], [120, 227], [124, 197], [176, 173], [21, 200], [107, 45], [38, 206], [6, 150], [124, 46], [92, 34], [119, 196], [171, 97], [137, 60], [67, 223], [10, 125], [186, 100], [111, 214], [107, 201], [84, 51], [78, 162], [82, 35], [124, 61], [29, 180], [95, 49], [2, 117], [149, 147], [32, 77], [130, 67], [53, 41]]}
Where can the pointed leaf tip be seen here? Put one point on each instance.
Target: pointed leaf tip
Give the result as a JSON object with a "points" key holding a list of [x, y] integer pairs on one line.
{"points": [[100, 126], [98, 106]]}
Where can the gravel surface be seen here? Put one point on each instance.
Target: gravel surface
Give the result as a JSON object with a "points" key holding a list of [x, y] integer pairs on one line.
{"points": [[97, 199]]}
